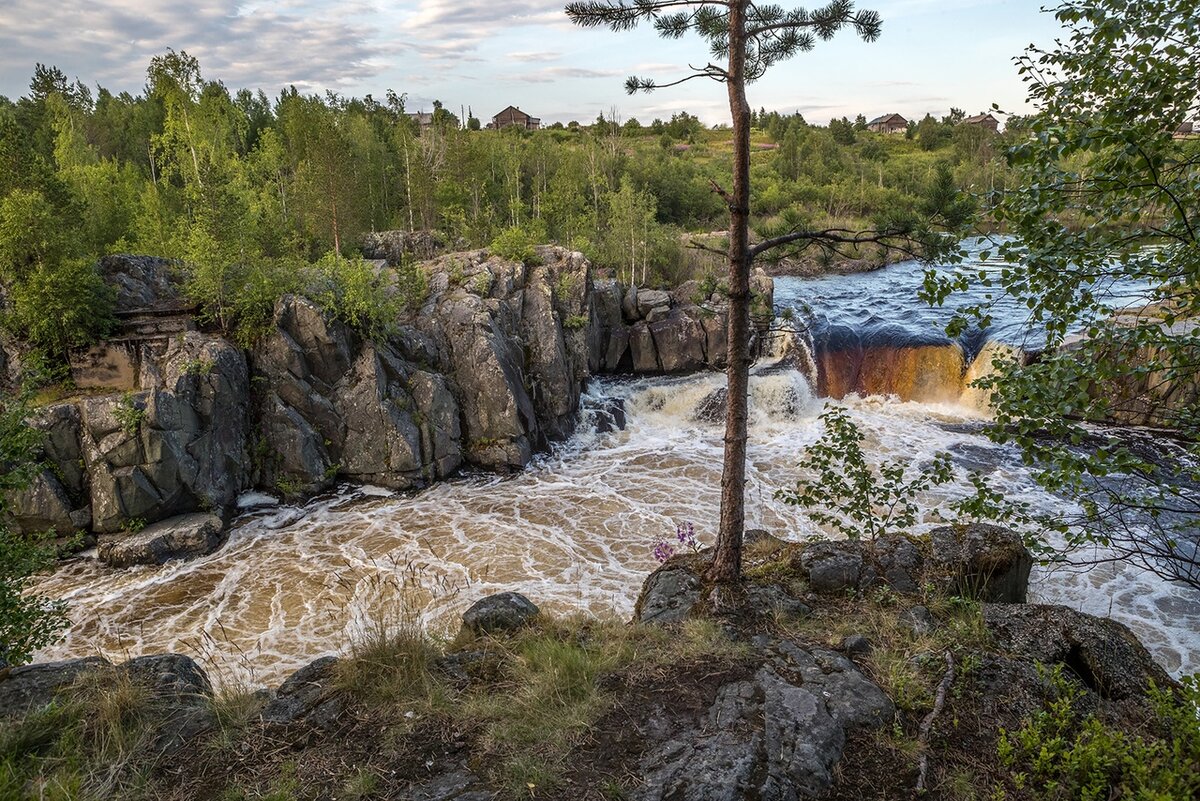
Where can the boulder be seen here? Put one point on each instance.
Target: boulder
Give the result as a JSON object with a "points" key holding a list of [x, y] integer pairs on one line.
{"points": [[981, 561], [918, 619], [668, 594], [774, 736], [643, 349], [181, 694], [680, 342], [832, 567], [629, 305], [307, 696], [182, 537], [31, 687], [1102, 654], [651, 299], [504, 612], [143, 283]]}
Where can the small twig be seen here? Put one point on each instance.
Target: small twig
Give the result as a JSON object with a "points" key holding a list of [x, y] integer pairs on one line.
{"points": [[927, 723]]}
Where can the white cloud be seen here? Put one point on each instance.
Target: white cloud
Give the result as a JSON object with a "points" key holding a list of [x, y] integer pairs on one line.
{"points": [[304, 44]]}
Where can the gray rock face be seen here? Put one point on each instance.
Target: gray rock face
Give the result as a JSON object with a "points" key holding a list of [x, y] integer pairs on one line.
{"points": [[668, 595], [982, 561], [307, 696], [31, 687], [1103, 654], [774, 736], [183, 537], [395, 246], [174, 448], [334, 406], [142, 282], [489, 371], [506, 611], [57, 498]]}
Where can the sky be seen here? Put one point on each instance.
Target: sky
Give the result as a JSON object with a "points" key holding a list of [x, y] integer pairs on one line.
{"points": [[487, 54]]}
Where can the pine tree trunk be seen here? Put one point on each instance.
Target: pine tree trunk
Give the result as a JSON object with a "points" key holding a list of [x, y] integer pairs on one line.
{"points": [[727, 563]]}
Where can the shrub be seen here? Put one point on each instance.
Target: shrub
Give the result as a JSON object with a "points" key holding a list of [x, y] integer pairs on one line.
{"points": [[869, 502], [370, 300], [519, 242], [63, 306], [1060, 753]]}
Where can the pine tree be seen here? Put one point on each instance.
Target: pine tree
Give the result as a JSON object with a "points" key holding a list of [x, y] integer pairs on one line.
{"points": [[750, 39]]}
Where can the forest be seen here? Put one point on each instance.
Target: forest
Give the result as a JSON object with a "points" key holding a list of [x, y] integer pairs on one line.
{"points": [[257, 197]]}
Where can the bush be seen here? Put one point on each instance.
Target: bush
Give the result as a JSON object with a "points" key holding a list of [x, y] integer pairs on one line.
{"points": [[519, 242], [63, 306], [869, 502], [1061, 754], [369, 300]]}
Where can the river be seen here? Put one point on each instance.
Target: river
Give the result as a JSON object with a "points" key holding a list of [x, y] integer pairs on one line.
{"points": [[576, 529]]}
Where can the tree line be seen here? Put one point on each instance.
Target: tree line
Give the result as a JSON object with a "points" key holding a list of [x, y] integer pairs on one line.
{"points": [[257, 197]]}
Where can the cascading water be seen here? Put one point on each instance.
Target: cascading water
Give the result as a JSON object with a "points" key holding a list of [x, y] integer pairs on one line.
{"points": [[573, 531]]}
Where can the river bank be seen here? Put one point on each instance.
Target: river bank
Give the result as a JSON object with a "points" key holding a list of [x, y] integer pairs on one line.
{"points": [[837, 670]]}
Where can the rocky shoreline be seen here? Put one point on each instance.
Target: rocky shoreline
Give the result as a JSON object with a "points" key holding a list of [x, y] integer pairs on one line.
{"points": [[816, 678], [175, 421]]}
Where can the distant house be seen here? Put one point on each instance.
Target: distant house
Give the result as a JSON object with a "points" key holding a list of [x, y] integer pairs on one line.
{"points": [[514, 116], [423, 120], [1186, 130], [983, 121], [889, 124]]}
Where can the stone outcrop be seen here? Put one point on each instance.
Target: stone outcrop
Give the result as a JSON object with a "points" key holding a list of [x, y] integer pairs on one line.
{"points": [[774, 736], [978, 561], [488, 371], [650, 331], [396, 246], [172, 449], [177, 688], [182, 537]]}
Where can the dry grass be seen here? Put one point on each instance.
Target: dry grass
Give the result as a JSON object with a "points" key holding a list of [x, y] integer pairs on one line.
{"points": [[93, 742]]}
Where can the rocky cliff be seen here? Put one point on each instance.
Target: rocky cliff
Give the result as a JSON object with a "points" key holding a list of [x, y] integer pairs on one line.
{"points": [[173, 420]]}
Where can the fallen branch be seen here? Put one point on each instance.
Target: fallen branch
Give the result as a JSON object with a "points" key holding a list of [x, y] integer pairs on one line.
{"points": [[927, 723]]}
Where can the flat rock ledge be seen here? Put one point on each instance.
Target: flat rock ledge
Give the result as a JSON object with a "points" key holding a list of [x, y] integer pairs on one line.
{"points": [[182, 537]]}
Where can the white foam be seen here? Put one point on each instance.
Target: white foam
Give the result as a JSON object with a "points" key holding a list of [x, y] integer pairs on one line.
{"points": [[573, 531]]}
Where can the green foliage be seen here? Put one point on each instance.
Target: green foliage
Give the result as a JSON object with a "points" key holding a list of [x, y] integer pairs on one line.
{"points": [[28, 620], [130, 411], [60, 307], [1061, 753], [1103, 206], [368, 299], [518, 243], [849, 494]]}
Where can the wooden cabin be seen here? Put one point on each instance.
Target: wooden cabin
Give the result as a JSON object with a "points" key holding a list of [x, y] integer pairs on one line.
{"points": [[514, 116], [983, 121], [889, 124]]}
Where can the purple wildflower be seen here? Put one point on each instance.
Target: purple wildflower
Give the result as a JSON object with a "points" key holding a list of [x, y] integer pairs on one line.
{"points": [[663, 551]]}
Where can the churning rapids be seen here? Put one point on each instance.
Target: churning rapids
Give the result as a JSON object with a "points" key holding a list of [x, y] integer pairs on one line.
{"points": [[575, 530]]}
